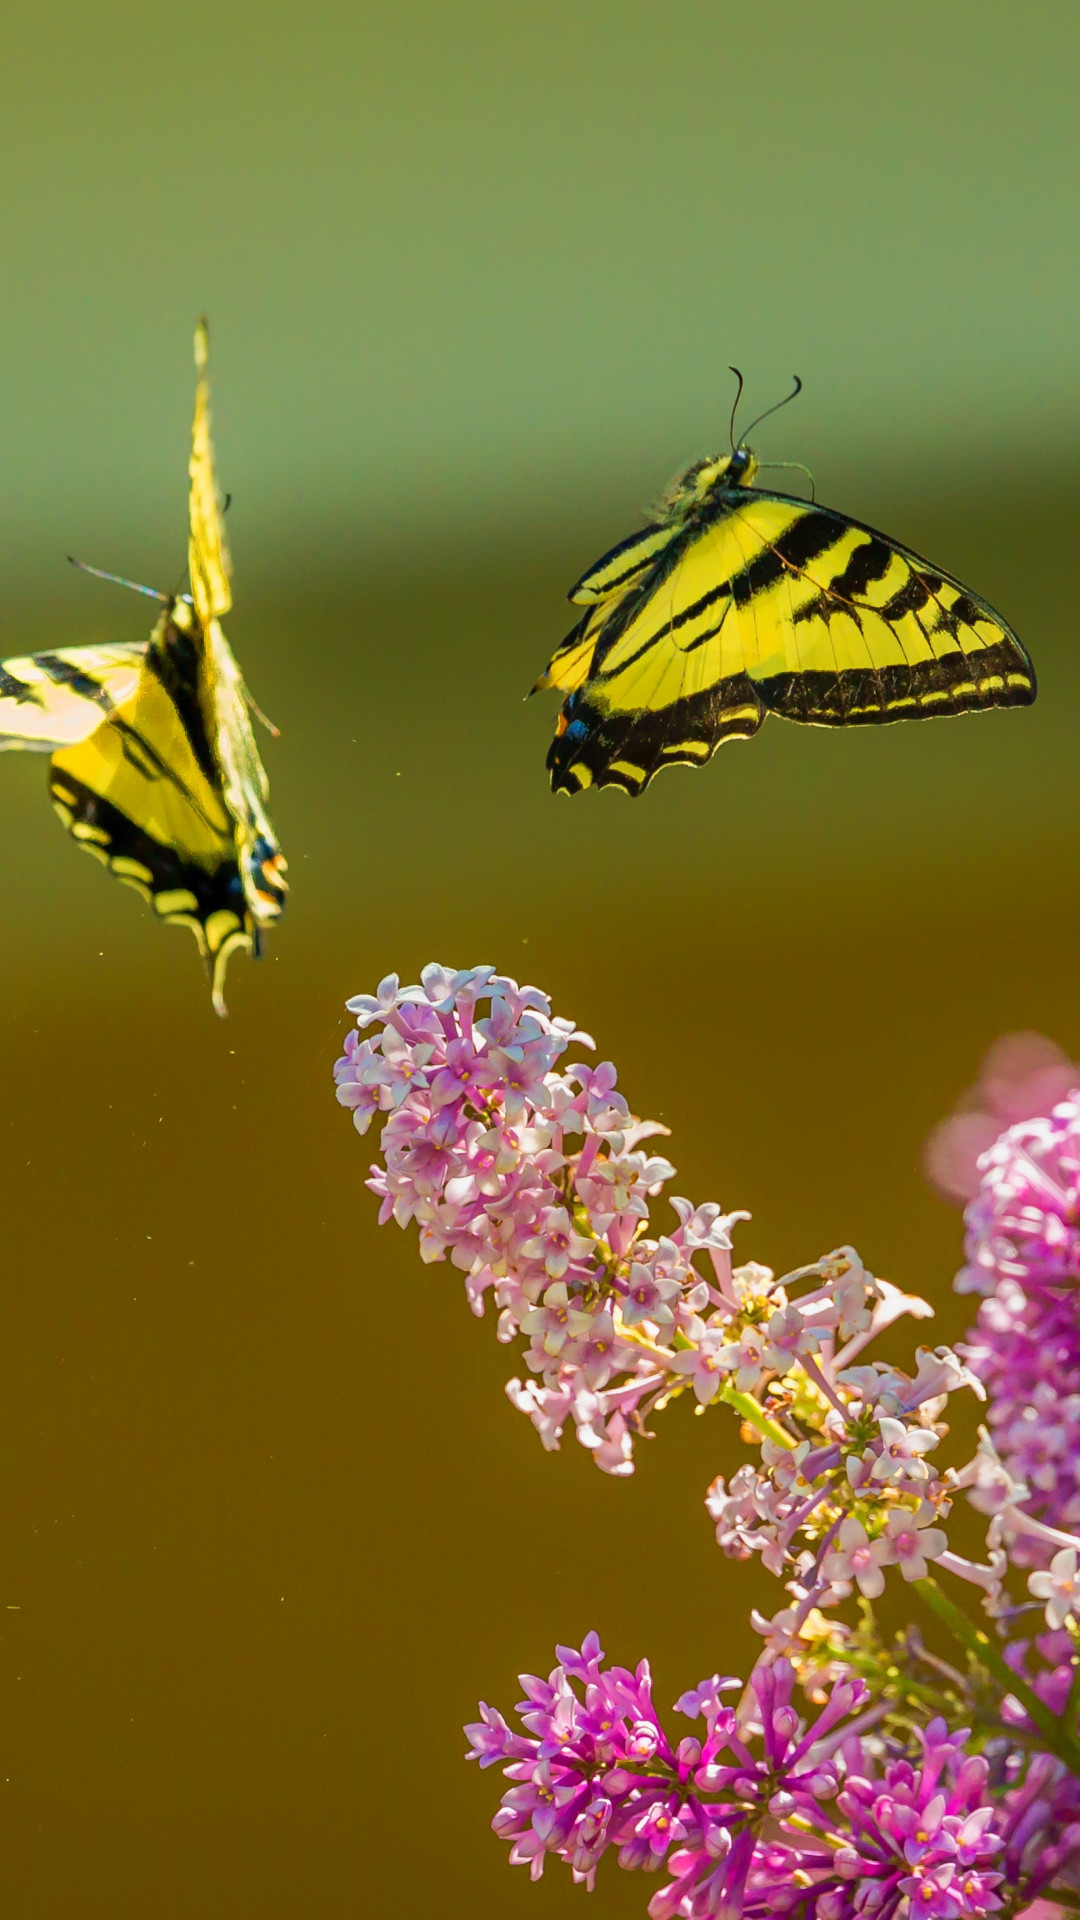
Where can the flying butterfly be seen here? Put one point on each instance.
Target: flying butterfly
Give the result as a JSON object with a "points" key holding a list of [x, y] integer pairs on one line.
{"points": [[734, 602], [154, 768]]}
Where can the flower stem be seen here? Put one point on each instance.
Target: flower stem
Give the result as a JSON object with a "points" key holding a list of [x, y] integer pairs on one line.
{"points": [[752, 1411], [979, 1644], [743, 1403]]}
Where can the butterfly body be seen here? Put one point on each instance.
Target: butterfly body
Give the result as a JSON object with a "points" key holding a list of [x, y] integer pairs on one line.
{"points": [[154, 769], [734, 602]]}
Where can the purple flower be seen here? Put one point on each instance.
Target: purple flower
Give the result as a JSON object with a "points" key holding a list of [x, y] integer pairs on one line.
{"points": [[1023, 1224], [764, 1814], [1023, 1256]]}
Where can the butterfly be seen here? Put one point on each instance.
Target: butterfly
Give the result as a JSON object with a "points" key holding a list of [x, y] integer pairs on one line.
{"points": [[154, 767], [735, 602]]}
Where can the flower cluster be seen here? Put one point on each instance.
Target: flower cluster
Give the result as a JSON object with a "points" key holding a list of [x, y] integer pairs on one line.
{"points": [[480, 1151], [761, 1813], [1023, 1257], [528, 1172], [530, 1175]]}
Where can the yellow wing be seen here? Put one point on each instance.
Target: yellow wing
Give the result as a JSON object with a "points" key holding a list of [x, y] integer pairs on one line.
{"points": [[140, 793], [55, 699], [763, 603], [155, 770], [243, 780], [223, 695], [208, 553]]}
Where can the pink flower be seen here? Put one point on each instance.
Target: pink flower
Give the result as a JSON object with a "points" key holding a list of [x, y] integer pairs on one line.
{"points": [[856, 1558], [745, 1358], [703, 1366], [909, 1542], [788, 1339], [1023, 1075], [557, 1321]]}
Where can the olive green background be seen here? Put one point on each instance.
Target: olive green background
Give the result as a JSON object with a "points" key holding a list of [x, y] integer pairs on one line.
{"points": [[268, 1526]]}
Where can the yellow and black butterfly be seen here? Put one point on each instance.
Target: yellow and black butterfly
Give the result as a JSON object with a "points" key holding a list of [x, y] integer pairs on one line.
{"points": [[154, 765], [735, 602]]}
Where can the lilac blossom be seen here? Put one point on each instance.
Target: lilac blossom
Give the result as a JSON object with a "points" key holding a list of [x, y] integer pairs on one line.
{"points": [[1059, 1587], [763, 1813], [531, 1176], [1023, 1258], [876, 1805], [1023, 1075]]}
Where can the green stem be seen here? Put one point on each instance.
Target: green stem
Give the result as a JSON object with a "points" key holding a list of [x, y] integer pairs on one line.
{"points": [[743, 1403], [750, 1409], [979, 1644]]}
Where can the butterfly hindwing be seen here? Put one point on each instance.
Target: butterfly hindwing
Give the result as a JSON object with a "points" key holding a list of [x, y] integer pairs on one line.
{"points": [[244, 783], [142, 795], [758, 602]]}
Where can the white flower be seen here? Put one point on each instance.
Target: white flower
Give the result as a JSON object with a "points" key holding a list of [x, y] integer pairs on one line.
{"points": [[909, 1543], [855, 1558], [1059, 1587], [745, 1358], [901, 1448]]}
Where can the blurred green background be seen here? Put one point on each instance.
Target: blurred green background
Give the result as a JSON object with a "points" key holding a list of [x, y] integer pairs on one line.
{"points": [[268, 1526]]}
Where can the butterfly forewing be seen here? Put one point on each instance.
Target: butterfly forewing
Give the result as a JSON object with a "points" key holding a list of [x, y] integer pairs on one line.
{"points": [[209, 563], [52, 699], [622, 566]]}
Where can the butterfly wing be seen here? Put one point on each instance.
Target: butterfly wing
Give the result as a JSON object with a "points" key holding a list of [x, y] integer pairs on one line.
{"points": [[140, 794], [244, 785], [618, 570], [209, 562], [767, 603], [224, 697], [654, 673], [55, 699], [852, 629]]}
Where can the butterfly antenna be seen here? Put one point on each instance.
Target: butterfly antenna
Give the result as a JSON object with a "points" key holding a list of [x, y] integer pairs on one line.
{"points": [[796, 466], [735, 404], [118, 580], [793, 395]]}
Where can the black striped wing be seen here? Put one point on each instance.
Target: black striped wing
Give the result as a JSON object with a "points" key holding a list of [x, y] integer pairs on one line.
{"points": [[155, 770], [54, 699], [763, 603], [141, 794]]}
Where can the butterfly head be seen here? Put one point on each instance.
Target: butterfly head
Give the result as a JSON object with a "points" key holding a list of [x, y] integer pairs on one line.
{"points": [[716, 473], [181, 613]]}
